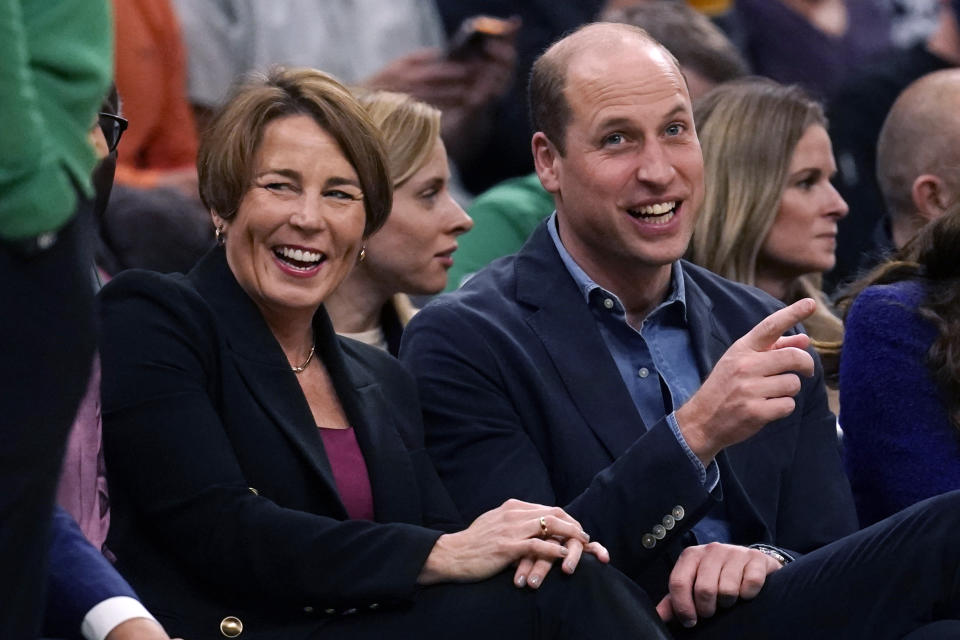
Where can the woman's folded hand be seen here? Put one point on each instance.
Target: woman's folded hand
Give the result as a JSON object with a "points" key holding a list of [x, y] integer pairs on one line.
{"points": [[531, 536]]}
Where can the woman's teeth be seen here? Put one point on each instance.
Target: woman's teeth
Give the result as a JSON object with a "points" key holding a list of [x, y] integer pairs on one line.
{"points": [[298, 257]]}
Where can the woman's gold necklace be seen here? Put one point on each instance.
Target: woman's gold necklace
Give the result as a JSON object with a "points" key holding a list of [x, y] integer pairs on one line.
{"points": [[305, 362]]}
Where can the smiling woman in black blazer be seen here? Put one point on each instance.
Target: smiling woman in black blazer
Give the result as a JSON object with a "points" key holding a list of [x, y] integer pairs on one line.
{"points": [[268, 478]]}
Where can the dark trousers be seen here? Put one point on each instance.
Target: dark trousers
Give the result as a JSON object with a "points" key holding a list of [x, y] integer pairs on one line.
{"points": [[597, 601], [891, 579], [47, 338]]}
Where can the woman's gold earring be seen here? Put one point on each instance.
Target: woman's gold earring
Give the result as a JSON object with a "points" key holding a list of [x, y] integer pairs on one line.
{"points": [[221, 236], [362, 256]]}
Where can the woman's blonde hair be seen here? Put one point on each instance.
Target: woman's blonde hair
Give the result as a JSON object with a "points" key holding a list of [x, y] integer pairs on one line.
{"points": [[409, 130], [748, 130]]}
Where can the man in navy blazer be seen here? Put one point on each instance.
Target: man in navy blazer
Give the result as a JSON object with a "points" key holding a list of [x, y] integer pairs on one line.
{"points": [[660, 404], [86, 597]]}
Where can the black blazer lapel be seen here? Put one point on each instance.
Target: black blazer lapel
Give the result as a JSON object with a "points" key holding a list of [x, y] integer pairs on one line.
{"points": [[260, 362], [392, 479], [575, 345], [710, 342]]}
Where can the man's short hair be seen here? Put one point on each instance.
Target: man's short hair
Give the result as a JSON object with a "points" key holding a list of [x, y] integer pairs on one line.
{"points": [[549, 109], [698, 44], [920, 135]]}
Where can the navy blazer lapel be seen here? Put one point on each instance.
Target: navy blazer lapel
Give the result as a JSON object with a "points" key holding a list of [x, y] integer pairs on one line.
{"points": [[563, 323], [392, 478], [711, 341], [261, 363]]}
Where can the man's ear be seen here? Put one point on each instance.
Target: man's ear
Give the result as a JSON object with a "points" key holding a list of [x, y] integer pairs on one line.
{"points": [[929, 195], [545, 160]]}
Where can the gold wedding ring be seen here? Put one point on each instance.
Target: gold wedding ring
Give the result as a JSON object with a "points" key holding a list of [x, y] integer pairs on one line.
{"points": [[543, 527]]}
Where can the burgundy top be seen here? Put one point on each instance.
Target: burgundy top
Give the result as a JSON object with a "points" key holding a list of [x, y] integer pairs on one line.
{"points": [[349, 471]]}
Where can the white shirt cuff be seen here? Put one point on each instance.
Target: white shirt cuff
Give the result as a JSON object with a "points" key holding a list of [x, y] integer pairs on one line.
{"points": [[106, 615]]}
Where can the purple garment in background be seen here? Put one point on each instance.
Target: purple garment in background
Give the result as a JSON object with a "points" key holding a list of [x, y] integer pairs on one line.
{"points": [[783, 45], [83, 479]]}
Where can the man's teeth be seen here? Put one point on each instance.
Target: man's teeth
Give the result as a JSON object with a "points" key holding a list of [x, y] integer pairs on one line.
{"points": [[299, 255], [659, 213], [656, 209]]}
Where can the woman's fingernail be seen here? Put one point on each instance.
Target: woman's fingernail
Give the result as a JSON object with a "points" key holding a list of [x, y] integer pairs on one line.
{"points": [[522, 581], [585, 535], [689, 622], [564, 551], [534, 581]]}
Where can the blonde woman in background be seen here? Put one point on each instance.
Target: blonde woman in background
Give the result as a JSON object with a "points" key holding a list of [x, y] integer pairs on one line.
{"points": [[413, 251], [770, 214]]}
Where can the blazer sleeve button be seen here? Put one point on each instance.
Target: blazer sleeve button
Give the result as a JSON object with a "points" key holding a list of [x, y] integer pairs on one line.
{"points": [[231, 627], [659, 531], [678, 513], [648, 541], [253, 491], [669, 522]]}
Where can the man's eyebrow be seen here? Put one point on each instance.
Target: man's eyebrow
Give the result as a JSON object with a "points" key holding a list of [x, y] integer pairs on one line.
{"points": [[615, 123], [680, 108], [623, 122]]}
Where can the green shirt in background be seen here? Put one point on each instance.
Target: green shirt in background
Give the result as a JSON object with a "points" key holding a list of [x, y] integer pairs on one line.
{"points": [[56, 65], [504, 216]]}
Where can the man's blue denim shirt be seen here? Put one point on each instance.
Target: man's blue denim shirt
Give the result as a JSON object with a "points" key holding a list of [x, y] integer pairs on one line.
{"points": [[656, 363]]}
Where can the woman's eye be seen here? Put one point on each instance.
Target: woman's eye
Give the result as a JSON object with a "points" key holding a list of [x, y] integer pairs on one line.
{"points": [[277, 186], [340, 195], [429, 194]]}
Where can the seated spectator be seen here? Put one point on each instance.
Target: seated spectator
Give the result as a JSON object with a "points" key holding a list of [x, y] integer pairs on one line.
{"points": [[411, 253], [659, 402], [508, 213], [155, 219], [918, 161], [394, 45], [900, 375], [83, 484], [769, 218], [85, 594], [268, 477], [857, 112], [813, 43], [160, 147]]}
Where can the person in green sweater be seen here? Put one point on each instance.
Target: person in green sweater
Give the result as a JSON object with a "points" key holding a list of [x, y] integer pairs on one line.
{"points": [[506, 214], [56, 62]]}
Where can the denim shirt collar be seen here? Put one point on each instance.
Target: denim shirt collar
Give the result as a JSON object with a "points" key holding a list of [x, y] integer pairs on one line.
{"points": [[587, 286]]}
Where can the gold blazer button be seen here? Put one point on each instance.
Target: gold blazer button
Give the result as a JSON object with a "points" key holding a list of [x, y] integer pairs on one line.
{"points": [[231, 627]]}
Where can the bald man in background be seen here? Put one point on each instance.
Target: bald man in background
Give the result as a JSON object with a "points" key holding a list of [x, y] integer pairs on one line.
{"points": [[918, 160]]}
